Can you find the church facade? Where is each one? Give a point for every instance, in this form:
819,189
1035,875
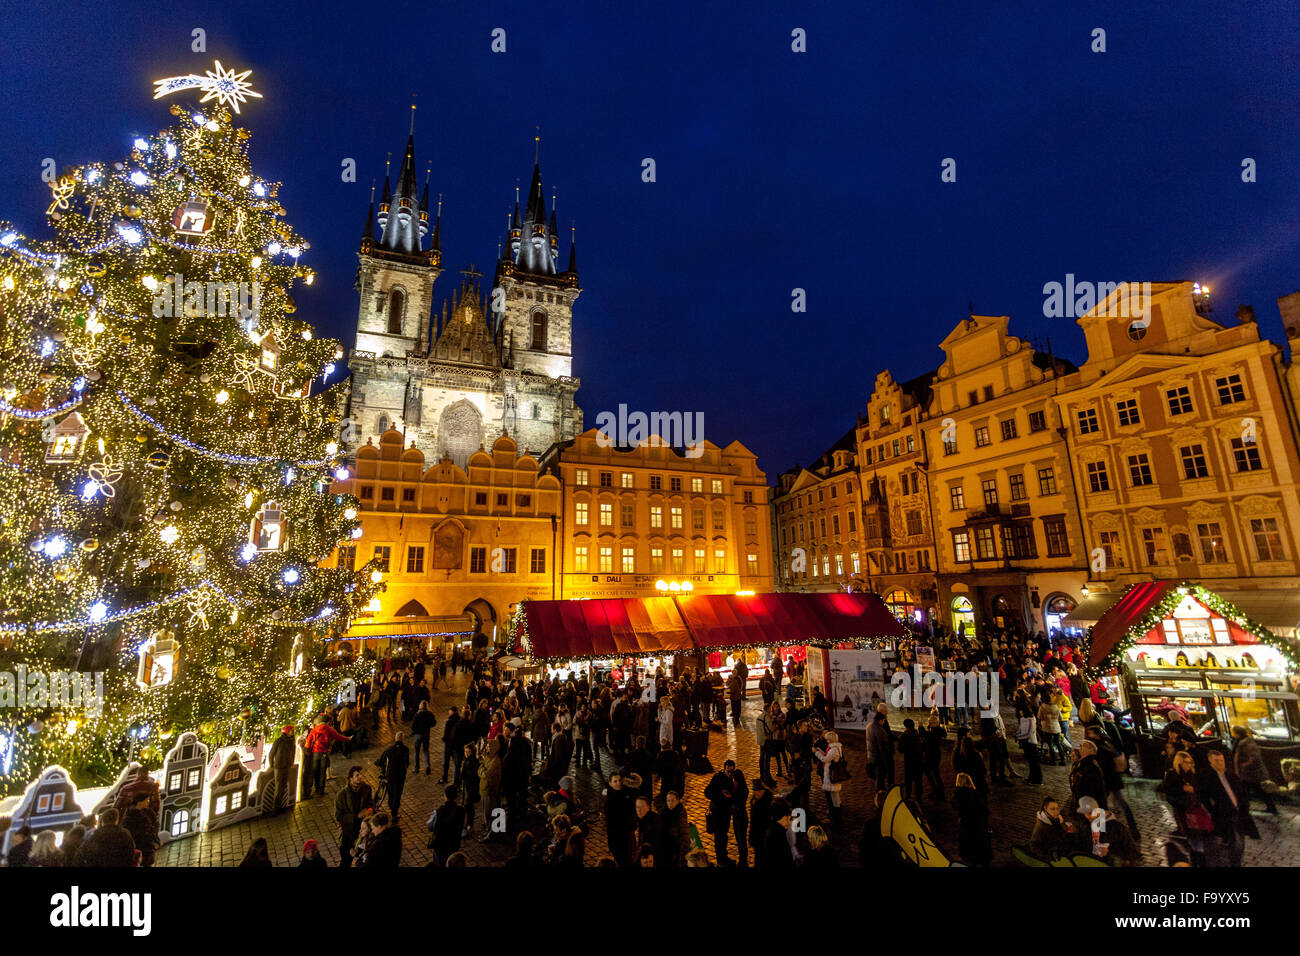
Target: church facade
490,361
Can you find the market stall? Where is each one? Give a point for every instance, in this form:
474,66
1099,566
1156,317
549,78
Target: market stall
1179,651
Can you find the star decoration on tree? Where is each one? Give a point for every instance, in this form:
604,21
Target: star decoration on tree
225,86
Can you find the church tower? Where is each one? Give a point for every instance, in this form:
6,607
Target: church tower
535,313
394,284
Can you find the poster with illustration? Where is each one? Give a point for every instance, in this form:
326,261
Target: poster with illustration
858,684
925,658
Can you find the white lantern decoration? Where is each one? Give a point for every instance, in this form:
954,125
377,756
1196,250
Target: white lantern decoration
157,660
192,218
67,439
267,532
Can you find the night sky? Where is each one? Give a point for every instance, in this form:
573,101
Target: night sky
776,170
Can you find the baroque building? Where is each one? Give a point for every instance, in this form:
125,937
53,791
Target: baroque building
636,517
819,535
488,362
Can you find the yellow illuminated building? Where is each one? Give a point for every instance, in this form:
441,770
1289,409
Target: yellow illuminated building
819,535
635,517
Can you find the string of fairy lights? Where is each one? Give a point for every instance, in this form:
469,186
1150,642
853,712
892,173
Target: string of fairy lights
165,493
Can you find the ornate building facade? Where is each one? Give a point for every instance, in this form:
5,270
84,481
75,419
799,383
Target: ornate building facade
819,535
490,362
451,540
637,516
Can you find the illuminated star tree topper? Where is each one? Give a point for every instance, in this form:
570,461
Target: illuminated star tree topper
225,86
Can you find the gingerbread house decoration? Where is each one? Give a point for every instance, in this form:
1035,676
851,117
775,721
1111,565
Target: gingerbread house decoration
229,789
68,439
183,786
48,803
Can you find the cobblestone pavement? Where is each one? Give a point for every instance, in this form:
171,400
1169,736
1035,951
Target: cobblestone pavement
1011,814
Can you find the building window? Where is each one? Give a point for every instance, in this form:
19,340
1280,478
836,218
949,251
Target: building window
382,554
699,560
985,549
503,501
1111,547
1088,421
675,483
751,564
1230,389
973,397
629,560
1128,412
1179,399
606,560
1037,421
656,482
477,560
606,515
981,436
508,565
524,501
856,562
675,519
1058,545
415,559
408,495
1022,541
348,557
748,496
895,444
367,493
480,499
537,561
1018,488
719,561
679,560
853,524
1008,429
1139,470
580,512
751,525
1047,481
539,331
656,560
989,489
950,446
697,485
717,486
988,393
396,309
385,494
911,443
1246,455
826,565
580,558
839,565
1194,466
627,479
961,545
720,521
1213,549
1268,541
697,519
607,479
958,498
913,518
1155,546
1098,477
627,515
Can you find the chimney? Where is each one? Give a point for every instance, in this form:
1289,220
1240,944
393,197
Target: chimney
1289,306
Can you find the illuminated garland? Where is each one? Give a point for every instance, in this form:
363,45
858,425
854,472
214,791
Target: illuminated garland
40,413
208,452
1166,607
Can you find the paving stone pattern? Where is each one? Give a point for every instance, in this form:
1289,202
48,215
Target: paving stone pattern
1011,809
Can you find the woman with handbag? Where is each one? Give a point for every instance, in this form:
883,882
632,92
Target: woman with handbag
834,773
1181,789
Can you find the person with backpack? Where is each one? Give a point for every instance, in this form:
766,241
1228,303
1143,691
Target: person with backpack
446,828
834,773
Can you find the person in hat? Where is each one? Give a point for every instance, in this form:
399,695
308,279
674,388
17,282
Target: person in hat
311,858
280,764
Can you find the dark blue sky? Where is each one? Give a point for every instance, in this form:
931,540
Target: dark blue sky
776,170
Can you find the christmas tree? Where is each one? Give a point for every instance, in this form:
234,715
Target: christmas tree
168,436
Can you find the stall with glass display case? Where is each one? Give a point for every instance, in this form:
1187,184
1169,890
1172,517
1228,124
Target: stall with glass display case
1178,651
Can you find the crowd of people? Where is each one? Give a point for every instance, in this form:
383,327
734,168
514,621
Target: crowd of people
508,754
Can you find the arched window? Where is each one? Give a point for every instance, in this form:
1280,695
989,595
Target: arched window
539,331
396,308
180,823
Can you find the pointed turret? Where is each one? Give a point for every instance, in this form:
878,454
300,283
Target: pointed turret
368,230
405,228
531,241
573,257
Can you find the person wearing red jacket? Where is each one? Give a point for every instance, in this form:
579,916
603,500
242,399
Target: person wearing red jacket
316,748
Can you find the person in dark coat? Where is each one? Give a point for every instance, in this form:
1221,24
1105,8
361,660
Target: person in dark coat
516,768
450,754
777,852
461,734
1087,779
1228,801
820,855
620,817
385,849
1050,839
639,762
108,844
258,855
933,752
674,832
912,747
354,803
142,823
421,731
394,763
722,799
447,824
972,823
311,858
649,831
760,816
